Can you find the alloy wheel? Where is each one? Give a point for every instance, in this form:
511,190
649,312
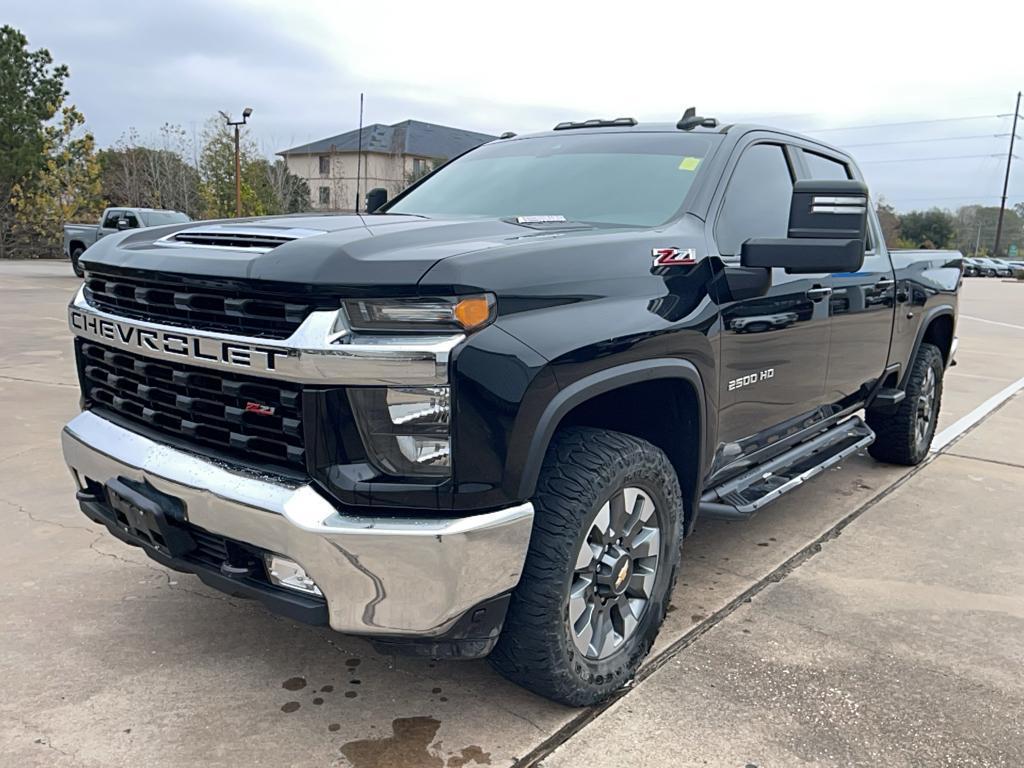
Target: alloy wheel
925,408
615,572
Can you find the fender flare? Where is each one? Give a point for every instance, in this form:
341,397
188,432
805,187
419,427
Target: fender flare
933,314
597,384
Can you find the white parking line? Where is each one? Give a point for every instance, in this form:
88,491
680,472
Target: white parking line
961,425
992,322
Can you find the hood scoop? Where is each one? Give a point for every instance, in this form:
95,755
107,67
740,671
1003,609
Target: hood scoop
236,237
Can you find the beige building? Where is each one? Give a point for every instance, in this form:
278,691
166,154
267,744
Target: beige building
392,156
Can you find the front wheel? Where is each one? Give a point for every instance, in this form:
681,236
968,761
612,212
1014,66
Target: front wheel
76,254
600,568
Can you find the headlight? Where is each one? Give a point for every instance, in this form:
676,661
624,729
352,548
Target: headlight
406,429
460,313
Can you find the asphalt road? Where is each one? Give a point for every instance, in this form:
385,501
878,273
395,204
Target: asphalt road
111,660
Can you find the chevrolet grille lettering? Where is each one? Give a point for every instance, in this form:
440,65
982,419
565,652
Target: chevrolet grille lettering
172,343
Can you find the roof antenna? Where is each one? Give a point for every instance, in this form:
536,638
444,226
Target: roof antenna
691,120
359,156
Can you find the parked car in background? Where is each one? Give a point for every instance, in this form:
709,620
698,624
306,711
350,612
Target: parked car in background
989,267
78,237
972,267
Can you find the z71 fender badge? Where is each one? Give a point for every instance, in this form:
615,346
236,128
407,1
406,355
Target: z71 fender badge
674,257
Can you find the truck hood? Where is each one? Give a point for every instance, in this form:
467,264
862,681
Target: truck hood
319,250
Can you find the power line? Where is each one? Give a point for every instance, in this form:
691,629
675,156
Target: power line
924,141
909,122
923,160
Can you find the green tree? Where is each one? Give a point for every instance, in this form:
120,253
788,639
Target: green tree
890,222
66,188
278,189
217,171
31,93
928,229
162,176
976,229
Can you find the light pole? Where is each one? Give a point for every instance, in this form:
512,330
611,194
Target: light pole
238,161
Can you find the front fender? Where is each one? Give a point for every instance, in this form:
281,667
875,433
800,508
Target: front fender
532,444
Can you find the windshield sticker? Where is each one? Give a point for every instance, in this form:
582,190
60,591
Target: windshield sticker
689,164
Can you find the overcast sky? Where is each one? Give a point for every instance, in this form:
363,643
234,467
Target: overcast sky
524,66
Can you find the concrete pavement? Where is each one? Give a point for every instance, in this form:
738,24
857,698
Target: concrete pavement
901,643
110,660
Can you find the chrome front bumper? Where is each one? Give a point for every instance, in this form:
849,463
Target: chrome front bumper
380,576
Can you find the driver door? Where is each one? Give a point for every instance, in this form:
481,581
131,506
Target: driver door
774,348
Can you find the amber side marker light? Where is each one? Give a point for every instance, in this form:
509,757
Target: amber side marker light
474,311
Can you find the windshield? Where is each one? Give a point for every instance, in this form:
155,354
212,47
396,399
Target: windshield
637,179
156,218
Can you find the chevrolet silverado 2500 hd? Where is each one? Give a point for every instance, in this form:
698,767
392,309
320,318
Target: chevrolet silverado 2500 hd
483,418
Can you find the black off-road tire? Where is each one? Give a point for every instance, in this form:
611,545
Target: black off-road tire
896,436
76,254
583,468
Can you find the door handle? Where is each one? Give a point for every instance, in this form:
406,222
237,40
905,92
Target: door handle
818,293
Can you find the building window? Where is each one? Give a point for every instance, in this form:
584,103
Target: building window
419,165
325,195
325,165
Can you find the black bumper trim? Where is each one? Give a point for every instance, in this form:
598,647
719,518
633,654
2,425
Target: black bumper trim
308,610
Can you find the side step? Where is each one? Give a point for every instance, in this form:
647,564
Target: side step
739,498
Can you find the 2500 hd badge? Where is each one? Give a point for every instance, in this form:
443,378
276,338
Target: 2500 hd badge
175,344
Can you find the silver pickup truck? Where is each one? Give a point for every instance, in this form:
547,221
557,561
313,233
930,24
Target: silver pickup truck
78,237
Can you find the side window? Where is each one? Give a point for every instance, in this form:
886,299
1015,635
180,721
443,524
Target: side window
756,200
325,165
325,195
133,221
822,167
110,222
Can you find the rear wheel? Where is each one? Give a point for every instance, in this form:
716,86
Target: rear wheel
600,567
76,254
904,437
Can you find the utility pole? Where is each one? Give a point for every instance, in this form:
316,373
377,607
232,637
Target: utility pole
238,158
1006,179
977,242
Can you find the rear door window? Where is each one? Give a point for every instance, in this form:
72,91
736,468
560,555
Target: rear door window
821,167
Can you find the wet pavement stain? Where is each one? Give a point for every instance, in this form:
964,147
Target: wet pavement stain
290,706
435,690
318,701
350,694
334,727
408,746
472,754
327,689
353,663
294,684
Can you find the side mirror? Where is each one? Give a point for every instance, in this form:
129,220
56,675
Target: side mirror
122,224
375,198
827,227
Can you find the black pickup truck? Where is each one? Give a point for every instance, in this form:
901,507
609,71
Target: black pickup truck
482,418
